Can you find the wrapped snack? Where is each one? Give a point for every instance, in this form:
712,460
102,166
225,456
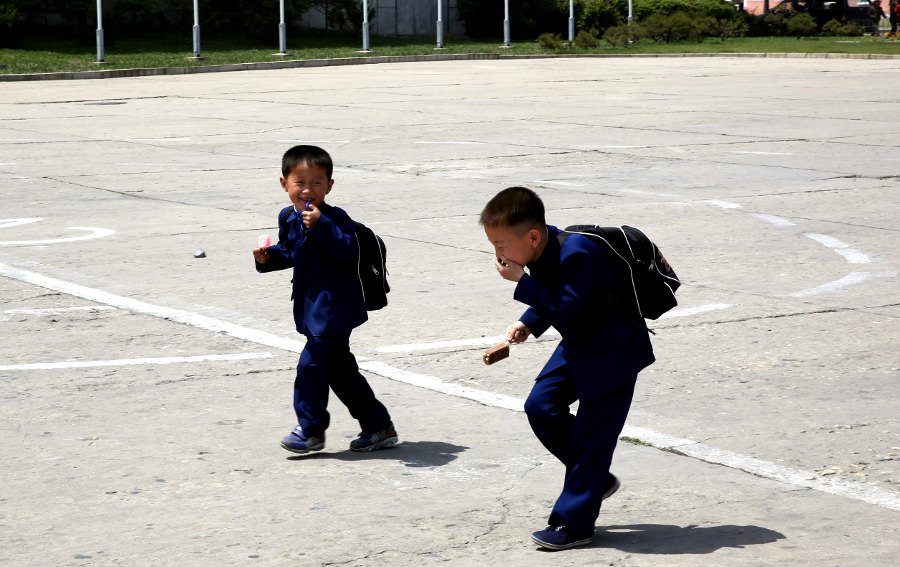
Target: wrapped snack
496,353
265,241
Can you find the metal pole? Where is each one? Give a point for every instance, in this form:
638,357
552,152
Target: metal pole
101,50
196,30
440,26
629,22
282,34
571,20
506,23
365,27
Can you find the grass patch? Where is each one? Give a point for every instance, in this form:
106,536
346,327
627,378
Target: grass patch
635,441
61,55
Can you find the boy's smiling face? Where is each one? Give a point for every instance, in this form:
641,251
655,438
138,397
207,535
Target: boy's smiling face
521,247
307,183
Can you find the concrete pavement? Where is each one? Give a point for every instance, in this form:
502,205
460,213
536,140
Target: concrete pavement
144,390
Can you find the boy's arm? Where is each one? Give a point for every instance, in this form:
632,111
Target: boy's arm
279,257
580,274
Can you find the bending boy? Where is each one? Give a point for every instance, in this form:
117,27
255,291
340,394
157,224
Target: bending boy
567,286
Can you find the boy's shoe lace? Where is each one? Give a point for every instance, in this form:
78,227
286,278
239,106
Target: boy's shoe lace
299,442
378,440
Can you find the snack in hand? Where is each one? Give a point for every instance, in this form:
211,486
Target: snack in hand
265,241
496,353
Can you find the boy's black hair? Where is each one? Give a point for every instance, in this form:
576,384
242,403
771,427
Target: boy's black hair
311,155
518,208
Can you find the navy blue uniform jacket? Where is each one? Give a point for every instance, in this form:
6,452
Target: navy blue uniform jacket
568,287
326,291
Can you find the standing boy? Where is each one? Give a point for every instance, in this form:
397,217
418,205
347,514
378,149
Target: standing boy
567,286
319,242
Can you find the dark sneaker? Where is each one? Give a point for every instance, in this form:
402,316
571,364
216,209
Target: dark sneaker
379,440
612,485
560,537
298,442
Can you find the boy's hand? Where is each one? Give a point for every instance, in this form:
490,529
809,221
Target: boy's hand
310,216
517,333
261,255
508,269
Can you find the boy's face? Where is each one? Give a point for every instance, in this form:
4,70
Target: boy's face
521,247
307,184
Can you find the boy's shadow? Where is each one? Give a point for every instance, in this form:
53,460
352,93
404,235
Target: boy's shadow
412,453
667,539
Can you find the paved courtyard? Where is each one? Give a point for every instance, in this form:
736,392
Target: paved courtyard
143,390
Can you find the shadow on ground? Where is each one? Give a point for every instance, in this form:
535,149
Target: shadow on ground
412,453
665,539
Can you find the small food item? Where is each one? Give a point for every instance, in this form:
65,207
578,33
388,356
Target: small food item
496,353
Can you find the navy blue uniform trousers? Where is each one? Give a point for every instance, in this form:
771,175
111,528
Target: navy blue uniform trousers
325,362
583,442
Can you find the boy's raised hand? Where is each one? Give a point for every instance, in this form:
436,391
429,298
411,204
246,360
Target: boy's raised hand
508,269
310,216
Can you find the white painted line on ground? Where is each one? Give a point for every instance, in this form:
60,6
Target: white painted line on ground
92,233
136,361
851,255
8,223
438,385
688,311
723,204
851,279
870,494
177,315
772,219
439,345
825,240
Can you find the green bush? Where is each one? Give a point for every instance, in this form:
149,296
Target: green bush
617,35
586,40
836,29
704,27
802,25
599,14
736,26
550,41
643,9
668,28
715,9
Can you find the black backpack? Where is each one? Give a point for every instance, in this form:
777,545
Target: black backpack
652,278
371,268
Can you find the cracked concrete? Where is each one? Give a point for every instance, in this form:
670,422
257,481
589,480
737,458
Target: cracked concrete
726,162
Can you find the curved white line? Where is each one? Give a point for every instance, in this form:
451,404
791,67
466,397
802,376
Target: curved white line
853,278
8,223
92,233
